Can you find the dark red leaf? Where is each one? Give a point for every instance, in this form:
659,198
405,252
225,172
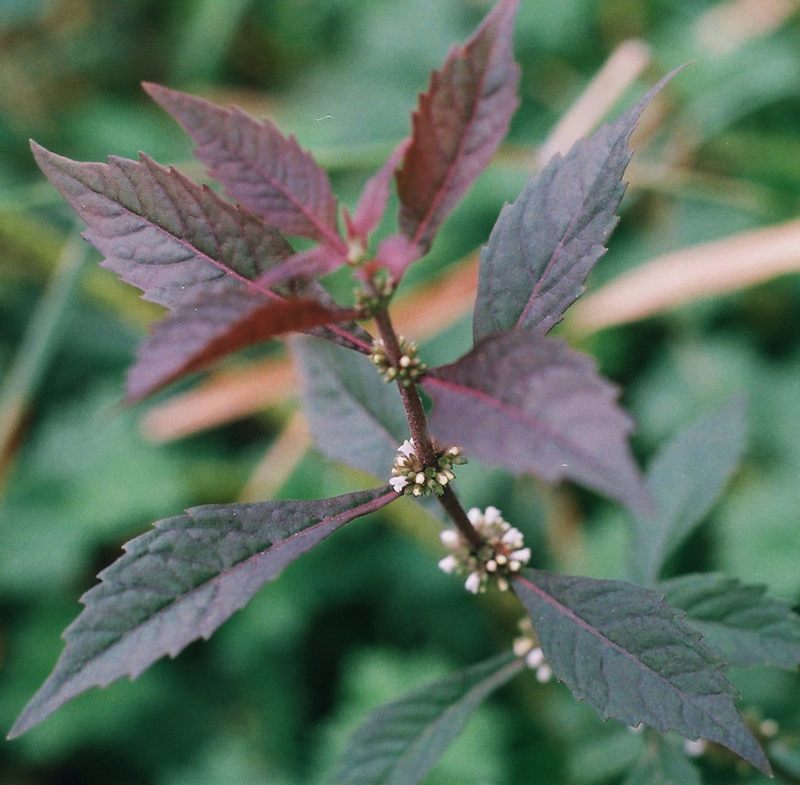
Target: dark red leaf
206,330
260,168
459,124
530,404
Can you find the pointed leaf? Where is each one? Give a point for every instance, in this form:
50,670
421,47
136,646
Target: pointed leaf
171,238
628,655
544,245
355,417
401,741
181,581
372,203
261,169
685,479
530,404
459,124
738,621
664,764
197,334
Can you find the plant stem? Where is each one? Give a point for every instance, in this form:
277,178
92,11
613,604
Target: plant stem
418,424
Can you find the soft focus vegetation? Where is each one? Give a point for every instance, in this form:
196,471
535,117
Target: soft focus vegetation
273,695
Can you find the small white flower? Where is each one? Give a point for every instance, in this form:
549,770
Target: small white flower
448,564
535,657
522,555
492,515
473,582
474,515
769,728
450,538
544,673
523,646
407,448
513,538
420,478
694,749
398,483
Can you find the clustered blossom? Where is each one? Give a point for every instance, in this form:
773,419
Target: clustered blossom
501,555
410,476
527,646
408,369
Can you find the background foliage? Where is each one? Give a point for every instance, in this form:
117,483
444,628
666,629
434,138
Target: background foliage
276,691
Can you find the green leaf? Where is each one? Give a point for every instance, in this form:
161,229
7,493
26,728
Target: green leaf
355,417
685,479
743,625
628,655
181,581
400,742
663,764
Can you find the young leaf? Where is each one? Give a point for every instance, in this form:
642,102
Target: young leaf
400,742
664,764
544,245
171,238
628,655
740,622
685,479
181,581
199,333
542,408
459,123
355,417
264,171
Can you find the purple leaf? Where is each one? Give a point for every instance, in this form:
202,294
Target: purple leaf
372,203
208,329
318,260
544,245
530,404
171,238
263,170
459,123
181,581
627,653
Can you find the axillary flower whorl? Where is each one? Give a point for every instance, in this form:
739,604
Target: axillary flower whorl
408,369
410,476
501,555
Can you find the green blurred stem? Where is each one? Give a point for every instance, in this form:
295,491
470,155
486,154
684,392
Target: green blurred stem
39,342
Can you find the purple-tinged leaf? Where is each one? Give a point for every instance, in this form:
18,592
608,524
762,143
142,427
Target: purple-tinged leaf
180,582
627,653
355,417
528,403
372,203
401,741
201,332
685,479
261,169
544,245
458,125
173,239
318,260
738,621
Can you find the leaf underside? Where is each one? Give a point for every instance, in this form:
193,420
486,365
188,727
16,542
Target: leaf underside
354,416
627,653
459,123
542,408
182,580
740,622
260,168
544,245
401,741
685,479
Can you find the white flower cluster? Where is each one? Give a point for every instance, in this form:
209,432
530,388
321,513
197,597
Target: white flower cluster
501,555
527,646
410,476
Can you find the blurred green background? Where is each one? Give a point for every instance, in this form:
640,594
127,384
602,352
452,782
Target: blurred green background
367,615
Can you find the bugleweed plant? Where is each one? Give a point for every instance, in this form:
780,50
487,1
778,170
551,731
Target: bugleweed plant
520,399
